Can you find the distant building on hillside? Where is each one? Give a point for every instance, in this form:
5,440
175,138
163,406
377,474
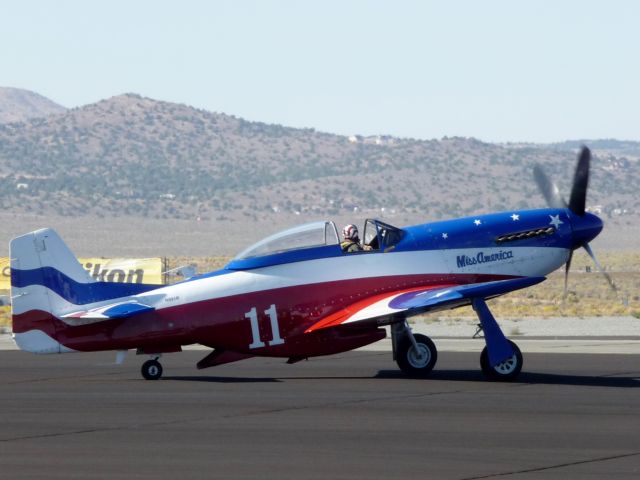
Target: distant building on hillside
372,140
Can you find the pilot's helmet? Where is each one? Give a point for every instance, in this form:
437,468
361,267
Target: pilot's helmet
350,232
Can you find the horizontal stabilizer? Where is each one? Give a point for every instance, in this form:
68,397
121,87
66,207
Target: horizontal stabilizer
415,301
109,312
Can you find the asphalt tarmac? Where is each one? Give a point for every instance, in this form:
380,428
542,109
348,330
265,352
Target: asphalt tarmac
347,416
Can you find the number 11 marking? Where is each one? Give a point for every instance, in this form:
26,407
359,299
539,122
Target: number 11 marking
275,328
252,315
255,330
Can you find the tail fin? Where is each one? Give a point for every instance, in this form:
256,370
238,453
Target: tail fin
45,277
50,291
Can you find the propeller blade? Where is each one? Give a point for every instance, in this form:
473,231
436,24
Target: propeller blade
548,188
566,275
595,260
578,200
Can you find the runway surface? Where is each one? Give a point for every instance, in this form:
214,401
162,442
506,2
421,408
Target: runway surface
347,416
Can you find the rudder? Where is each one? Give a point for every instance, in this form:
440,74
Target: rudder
44,279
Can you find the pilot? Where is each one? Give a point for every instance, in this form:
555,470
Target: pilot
351,242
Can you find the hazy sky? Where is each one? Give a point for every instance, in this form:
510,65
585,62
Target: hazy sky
496,70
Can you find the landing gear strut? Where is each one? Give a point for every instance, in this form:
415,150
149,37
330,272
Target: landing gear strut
151,369
501,359
416,355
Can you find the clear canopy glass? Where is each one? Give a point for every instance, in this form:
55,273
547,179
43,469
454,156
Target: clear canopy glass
315,234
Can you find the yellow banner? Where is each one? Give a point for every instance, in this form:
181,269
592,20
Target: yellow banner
5,273
122,270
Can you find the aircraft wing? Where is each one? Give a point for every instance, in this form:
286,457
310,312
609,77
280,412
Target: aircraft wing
108,312
405,303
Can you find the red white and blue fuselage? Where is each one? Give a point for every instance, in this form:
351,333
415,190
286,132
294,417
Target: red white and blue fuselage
296,301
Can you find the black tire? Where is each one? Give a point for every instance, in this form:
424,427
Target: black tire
151,370
506,371
417,364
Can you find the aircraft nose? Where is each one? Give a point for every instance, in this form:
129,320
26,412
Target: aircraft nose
585,228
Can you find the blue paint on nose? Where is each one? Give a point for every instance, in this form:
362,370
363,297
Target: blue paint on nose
585,228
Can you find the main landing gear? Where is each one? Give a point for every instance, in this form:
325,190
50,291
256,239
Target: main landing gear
501,359
506,370
416,355
151,369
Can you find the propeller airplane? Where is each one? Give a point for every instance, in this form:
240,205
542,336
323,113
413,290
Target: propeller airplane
297,294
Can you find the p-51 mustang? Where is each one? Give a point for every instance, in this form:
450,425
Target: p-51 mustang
296,294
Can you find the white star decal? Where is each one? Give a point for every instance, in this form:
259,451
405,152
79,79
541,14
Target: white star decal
477,222
445,235
555,220
515,217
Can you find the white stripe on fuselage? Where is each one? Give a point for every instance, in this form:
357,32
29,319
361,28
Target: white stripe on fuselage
525,261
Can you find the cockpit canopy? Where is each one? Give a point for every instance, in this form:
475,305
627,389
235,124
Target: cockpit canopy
315,234
313,241
381,236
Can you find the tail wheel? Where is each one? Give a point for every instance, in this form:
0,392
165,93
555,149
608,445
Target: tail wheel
151,370
417,362
505,371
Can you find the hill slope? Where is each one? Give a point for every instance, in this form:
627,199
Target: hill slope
134,156
17,105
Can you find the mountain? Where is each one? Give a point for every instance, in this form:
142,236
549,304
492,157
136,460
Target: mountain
608,145
17,105
138,157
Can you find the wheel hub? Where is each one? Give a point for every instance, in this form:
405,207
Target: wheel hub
507,366
419,357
